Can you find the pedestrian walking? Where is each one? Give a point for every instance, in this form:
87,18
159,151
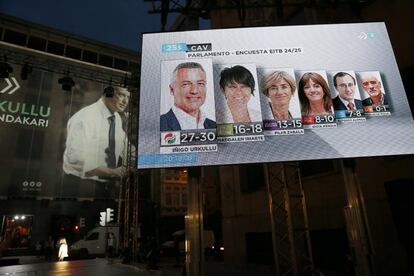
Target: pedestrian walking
111,245
48,248
63,250
38,249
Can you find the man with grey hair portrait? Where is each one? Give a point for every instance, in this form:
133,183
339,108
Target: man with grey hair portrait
188,88
371,83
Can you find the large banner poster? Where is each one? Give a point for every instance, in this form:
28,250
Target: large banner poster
58,143
271,94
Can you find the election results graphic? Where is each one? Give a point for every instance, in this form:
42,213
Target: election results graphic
270,94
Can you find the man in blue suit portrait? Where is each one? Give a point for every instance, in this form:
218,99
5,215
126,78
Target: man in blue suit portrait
345,85
188,88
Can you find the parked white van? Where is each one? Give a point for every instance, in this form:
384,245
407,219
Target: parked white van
94,243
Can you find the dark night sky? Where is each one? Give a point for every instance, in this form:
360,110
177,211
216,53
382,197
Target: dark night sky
118,22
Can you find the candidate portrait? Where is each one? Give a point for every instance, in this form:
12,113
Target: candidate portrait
314,94
373,87
187,88
239,102
279,87
348,95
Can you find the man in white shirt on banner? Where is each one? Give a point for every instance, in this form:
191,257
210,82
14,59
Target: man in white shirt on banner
188,87
95,142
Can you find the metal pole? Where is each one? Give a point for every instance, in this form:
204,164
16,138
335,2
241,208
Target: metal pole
357,222
289,220
106,233
272,220
295,270
120,202
135,209
194,225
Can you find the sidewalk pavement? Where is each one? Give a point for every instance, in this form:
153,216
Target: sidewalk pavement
166,267
102,266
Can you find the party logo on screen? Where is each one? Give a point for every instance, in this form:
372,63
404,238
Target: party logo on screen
170,138
308,120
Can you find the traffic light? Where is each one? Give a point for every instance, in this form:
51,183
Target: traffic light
109,214
81,222
102,221
106,216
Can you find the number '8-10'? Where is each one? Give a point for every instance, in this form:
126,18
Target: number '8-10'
326,118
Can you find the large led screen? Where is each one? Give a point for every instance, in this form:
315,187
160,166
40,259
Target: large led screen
271,94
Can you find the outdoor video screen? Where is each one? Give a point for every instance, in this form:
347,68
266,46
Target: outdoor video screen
271,94
56,142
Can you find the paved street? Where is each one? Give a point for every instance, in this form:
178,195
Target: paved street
92,267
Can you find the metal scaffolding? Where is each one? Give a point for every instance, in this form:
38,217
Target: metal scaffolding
202,8
62,65
284,10
290,229
128,205
357,224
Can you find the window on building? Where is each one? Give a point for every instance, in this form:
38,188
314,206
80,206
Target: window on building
106,60
73,52
175,199
121,64
168,199
37,43
252,178
14,37
184,198
90,56
55,48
